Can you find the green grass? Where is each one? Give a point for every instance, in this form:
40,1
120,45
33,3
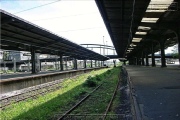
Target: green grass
97,102
45,107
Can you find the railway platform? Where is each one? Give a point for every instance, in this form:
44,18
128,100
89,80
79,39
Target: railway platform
157,91
14,82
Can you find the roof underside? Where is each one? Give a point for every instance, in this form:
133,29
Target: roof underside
117,16
133,24
18,34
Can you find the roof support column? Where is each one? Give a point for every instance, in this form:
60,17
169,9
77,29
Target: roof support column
163,60
95,63
91,64
75,63
178,36
137,60
66,63
134,61
147,60
85,64
61,62
56,62
142,58
14,65
152,55
131,61
40,65
114,61
124,62
33,60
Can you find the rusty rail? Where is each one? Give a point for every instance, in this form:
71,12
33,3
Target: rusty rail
112,98
75,106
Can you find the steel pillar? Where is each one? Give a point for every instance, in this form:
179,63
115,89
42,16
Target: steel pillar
56,63
163,60
91,64
85,64
33,60
14,66
147,60
137,61
142,58
131,61
61,62
75,63
95,63
40,66
178,36
124,62
152,55
114,61
28,65
66,64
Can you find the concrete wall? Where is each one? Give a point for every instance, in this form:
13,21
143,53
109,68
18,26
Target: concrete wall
18,83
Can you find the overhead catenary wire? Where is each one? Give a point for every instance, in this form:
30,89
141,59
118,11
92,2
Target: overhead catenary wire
58,17
37,7
81,29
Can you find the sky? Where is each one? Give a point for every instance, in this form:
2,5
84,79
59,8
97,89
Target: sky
76,20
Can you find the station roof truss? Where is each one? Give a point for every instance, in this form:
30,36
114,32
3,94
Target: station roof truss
134,24
19,34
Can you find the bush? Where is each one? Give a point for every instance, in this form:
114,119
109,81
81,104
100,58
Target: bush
90,82
109,71
98,78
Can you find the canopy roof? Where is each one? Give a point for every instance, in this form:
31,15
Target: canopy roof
19,34
134,24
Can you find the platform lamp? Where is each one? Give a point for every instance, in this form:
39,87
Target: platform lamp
103,47
107,47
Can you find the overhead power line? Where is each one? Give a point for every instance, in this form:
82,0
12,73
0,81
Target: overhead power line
36,7
81,29
64,16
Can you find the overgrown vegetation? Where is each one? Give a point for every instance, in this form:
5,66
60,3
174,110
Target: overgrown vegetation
54,103
98,101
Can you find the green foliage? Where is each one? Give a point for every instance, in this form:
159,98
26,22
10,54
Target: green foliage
98,101
46,106
90,82
109,71
98,78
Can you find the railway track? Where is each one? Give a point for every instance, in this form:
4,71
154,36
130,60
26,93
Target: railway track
67,114
31,92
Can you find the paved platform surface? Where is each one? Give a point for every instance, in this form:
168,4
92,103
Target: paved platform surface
27,74
157,90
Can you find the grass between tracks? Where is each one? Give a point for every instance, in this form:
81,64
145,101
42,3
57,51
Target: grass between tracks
57,102
99,100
